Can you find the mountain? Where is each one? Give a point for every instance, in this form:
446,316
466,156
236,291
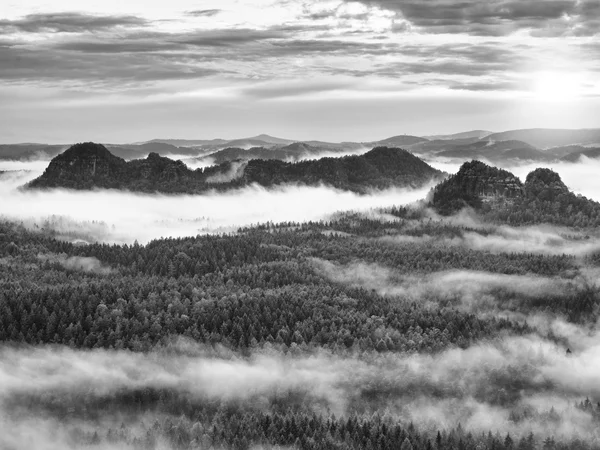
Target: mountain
24,152
187,142
547,138
475,184
495,151
498,195
583,151
475,134
262,140
271,139
89,166
133,151
380,168
400,141
291,152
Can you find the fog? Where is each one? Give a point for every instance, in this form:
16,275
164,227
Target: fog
77,263
538,239
123,217
236,170
478,387
474,291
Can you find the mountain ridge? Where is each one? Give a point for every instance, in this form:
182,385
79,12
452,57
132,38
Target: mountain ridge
88,165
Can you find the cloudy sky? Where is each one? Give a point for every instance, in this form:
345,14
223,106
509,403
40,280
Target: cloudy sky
125,71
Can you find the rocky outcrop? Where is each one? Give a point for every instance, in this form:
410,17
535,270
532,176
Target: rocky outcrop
474,185
500,196
85,164
544,184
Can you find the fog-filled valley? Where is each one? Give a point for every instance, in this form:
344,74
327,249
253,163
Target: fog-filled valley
302,316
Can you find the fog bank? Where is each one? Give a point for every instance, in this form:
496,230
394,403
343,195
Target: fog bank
123,217
484,387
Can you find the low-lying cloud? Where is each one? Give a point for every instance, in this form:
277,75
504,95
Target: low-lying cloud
478,387
123,217
77,263
483,293
538,239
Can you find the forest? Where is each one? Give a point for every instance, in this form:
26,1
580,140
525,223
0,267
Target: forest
246,339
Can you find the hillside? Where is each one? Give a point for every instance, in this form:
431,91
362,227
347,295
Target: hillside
495,151
402,140
291,152
500,196
576,155
90,166
24,152
475,134
547,138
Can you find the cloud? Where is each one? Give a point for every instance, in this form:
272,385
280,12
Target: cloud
121,63
235,171
113,216
497,17
70,22
228,37
474,291
204,12
291,88
77,263
478,387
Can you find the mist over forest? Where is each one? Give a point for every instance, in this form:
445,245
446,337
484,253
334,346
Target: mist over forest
301,315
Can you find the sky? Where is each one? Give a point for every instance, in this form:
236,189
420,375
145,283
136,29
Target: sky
119,71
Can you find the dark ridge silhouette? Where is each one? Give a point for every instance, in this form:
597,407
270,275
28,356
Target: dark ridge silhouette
89,166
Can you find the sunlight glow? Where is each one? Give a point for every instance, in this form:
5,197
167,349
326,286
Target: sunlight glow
557,86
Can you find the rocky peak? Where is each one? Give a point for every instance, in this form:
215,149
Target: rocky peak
477,178
474,185
544,184
84,161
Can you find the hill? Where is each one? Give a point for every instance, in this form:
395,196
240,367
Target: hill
89,166
576,155
475,134
24,152
500,196
402,140
495,151
291,152
547,138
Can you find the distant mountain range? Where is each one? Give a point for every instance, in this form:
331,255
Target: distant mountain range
509,147
475,134
90,166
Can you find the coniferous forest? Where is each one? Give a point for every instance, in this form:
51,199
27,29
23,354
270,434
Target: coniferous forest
427,326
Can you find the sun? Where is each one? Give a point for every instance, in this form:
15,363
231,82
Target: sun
556,86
